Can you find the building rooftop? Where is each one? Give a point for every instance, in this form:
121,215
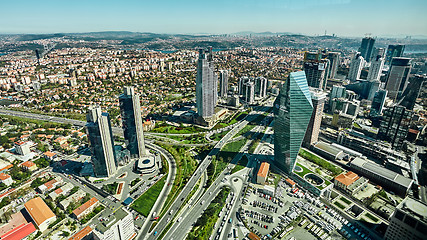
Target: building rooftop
4,176
38,210
108,221
347,178
415,208
49,154
82,233
20,232
263,169
383,172
85,206
28,164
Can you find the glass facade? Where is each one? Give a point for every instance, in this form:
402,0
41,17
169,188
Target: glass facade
101,142
292,111
130,110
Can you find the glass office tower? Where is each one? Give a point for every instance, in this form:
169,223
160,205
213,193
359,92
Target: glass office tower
292,112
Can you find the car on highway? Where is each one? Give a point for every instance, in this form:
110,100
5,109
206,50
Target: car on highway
155,233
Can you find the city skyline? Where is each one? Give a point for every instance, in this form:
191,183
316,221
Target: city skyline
340,17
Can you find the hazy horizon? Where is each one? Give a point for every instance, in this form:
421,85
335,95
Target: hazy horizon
345,18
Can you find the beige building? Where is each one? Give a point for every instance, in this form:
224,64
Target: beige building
40,213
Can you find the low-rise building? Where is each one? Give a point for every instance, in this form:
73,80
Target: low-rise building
52,184
22,148
22,232
6,179
84,234
350,182
85,208
64,190
29,165
263,173
73,198
40,213
50,155
381,175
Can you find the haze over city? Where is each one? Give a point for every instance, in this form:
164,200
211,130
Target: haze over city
213,120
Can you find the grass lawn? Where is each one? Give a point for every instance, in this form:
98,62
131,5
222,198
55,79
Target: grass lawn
373,218
205,224
245,130
146,201
219,136
345,200
339,205
304,170
240,164
321,162
164,128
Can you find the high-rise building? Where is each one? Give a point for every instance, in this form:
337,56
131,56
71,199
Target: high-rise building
292,111
376,68
223,83
397,79
118,226
101,142
395,125
367,48
410,95
261,87
318,98
378,103
374,86
206,85
249,92
394,51
315,68
130,110
334,58
337,92
409,221
356,66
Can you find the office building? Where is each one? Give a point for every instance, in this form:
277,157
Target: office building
394,51
356,66
373,87
337,92
409,221
117,226
292,111
376,68
382,176
223,83
378,52
318,98
367,48
394,125
101,142
261,87
130,110
397,79
378,103
334,59
206,85
410,95
249,92
315,68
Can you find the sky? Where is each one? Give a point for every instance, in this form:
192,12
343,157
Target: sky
350,18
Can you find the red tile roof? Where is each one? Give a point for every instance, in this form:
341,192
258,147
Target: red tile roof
263,169
347,178
19,232
82,233
4,176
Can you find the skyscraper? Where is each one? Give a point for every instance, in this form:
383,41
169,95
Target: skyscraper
366,48
376,68
397,79
249,92
318,98
378,103
315,68
223,83
394,51
206,85
130,110
395,125
337,92
410,95
292,111
356,66
334,58
101,142
261,87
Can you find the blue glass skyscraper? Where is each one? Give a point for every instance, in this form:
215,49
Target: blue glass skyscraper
292,112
